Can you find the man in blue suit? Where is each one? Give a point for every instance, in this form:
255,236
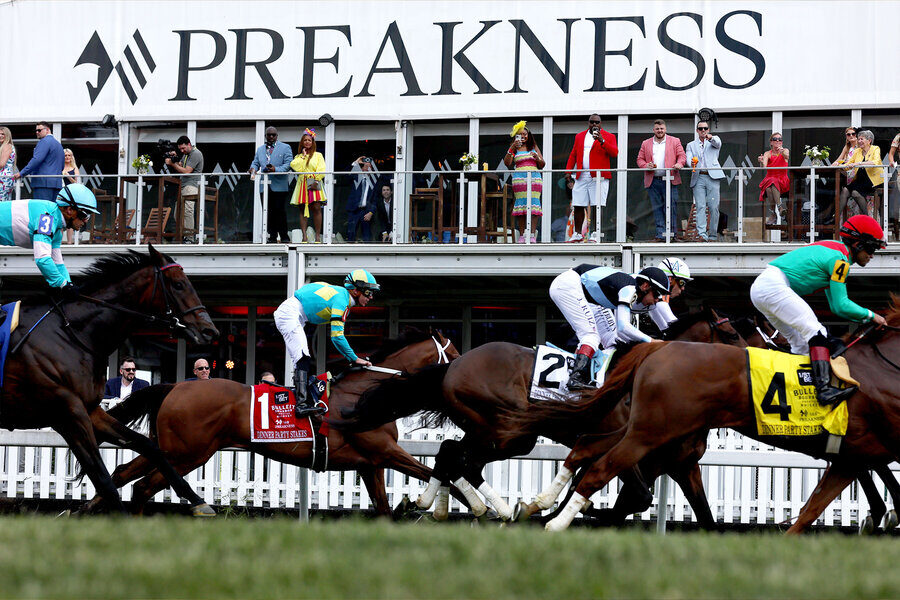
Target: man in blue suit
275,157
48,159
361,202
703,157
123,386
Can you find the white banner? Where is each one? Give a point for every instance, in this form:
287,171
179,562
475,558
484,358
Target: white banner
161,60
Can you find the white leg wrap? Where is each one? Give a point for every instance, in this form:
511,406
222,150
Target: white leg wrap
442,507
426,498
545,499
564,519
477,506
503,509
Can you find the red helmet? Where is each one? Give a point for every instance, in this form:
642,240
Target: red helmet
865,230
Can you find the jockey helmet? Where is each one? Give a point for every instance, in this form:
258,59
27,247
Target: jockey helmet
864,231
675,267
361,280
79,197
656,277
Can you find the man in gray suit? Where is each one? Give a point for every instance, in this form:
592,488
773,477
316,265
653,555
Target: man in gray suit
703,157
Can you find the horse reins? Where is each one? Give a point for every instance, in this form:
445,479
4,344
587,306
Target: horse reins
442,358
863,333
714,327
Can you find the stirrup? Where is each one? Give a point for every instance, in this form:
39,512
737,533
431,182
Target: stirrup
301,411
832,396
576,383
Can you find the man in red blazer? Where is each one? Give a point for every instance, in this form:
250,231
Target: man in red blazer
589,159
657,154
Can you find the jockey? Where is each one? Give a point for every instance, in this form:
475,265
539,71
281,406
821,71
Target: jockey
598,302
320,303
679,274
826,264
39,224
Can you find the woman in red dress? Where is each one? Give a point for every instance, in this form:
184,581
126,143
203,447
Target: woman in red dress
777,181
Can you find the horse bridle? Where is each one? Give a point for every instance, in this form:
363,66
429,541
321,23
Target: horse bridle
442,358
715,326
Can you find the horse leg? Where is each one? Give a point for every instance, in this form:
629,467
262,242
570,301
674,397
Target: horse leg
374,480
116,432
836,478
122,474
689,477
441,473
890,482
877,509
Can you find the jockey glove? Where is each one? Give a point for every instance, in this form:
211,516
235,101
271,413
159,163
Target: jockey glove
70,291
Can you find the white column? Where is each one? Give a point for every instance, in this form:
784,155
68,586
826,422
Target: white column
473,199
402,181
777,121
259,223
856,117
328,217
547,179
622,179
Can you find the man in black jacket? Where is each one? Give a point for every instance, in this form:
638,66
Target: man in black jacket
385,211
119,388
361,201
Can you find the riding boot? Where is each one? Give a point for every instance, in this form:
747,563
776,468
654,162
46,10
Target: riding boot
302,407
821,373
581,371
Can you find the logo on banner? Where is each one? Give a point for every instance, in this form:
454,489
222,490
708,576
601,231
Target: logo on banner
95,53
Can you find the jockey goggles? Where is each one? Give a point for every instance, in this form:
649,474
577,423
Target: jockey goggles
83,216
368,293
869,246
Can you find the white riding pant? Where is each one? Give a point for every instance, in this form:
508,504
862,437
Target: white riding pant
772,295
290,319
594,325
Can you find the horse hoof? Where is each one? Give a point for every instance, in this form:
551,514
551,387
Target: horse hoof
402,508
522,512
867,527
891,520
202,510
64,514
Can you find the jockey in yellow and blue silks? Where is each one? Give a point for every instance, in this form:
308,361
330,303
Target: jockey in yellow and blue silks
320,303
39,224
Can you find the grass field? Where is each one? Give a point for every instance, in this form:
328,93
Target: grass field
177,557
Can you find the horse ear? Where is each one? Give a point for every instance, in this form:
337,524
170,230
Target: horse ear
155,256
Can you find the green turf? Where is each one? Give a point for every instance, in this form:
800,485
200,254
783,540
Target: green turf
177,557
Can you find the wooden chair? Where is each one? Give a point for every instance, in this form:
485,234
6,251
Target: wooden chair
105,225
494,212
423,199
212,197
155,227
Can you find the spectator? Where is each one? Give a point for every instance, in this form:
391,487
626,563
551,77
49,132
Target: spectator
267,377
7,164
309,191
191,161
48,159
201,370
361,201
119,388
71,174
869,156
559,226
892,161
657,154
776,182
385,212
275,157
590,153
524,155
849,145
703,157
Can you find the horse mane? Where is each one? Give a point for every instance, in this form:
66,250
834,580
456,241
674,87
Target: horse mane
113,268
687,321
409,335
892,316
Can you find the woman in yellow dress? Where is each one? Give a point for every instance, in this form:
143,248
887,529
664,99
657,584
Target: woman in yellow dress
309,190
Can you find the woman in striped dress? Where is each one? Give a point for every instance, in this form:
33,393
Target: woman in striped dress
525,156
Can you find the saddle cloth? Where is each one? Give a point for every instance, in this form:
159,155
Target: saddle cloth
552,367
784,398
272,415
10,320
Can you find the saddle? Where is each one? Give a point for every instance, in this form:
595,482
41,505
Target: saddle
9,321
552,368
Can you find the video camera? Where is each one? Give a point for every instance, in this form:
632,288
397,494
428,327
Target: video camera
167,149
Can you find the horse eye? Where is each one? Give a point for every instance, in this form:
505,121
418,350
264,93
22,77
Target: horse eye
178,285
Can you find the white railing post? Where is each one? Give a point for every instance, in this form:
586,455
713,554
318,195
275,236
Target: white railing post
662,504
139,208
740,227
812,205
462,209
265,207
884,203
527,232
668,180
201,212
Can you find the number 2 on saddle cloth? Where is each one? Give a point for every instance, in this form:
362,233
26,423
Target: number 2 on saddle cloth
552,367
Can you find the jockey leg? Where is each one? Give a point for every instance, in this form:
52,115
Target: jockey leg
567,293
289,319
820,357
581,371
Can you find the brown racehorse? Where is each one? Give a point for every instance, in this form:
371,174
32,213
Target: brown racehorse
664,412
480,390
195,419
55,378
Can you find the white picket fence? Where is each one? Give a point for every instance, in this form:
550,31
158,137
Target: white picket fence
747,482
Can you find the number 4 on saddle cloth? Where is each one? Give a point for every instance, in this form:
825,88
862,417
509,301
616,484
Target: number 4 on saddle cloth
552,367
9,320
272,413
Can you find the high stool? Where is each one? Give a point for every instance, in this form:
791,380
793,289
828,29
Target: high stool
423,201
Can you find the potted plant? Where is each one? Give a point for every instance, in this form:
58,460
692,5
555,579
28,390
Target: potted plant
817,156
142,164
469,161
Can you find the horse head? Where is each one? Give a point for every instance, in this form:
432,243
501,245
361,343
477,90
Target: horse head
173,295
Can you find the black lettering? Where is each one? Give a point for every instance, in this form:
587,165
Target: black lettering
560,76
184,59
241,63
777,389
405,67
310,60
739,48
680,50
600,54
462,60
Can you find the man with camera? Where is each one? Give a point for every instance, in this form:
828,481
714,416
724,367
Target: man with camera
275,157
361,201
591,152
191,161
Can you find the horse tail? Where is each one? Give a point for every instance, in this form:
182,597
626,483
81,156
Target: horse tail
546,418
144,402
393,399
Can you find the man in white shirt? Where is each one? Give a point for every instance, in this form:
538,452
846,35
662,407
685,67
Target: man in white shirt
657,154
590,158
119,388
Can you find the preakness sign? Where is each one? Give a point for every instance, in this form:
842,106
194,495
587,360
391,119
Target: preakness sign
386,59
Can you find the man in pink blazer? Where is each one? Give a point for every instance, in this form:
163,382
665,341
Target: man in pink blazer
657,154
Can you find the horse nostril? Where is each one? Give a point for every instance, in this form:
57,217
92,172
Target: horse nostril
210,334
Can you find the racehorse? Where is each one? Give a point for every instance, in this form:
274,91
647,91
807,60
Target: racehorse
663,413
194,419
482,389
55,373
759,333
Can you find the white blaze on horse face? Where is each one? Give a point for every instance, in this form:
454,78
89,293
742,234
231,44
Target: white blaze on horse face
426,498
442,507
564,519
476,505
503,509
545,499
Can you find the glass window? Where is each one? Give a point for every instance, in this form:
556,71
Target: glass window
437,146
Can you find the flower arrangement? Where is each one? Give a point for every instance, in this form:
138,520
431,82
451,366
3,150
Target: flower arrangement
142,163
467,160
814,153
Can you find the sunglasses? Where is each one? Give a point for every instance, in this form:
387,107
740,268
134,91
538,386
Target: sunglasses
368,293
593,122
129,370
850,134
703,129
776,139
201,369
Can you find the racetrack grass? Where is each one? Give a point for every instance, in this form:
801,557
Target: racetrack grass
176,557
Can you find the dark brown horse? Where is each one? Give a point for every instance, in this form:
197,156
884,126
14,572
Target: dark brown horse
55,378
483,388
664,412
194,419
